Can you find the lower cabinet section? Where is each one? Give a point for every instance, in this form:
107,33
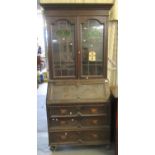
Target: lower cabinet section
79,124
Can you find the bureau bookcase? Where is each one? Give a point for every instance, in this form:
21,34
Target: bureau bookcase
78,107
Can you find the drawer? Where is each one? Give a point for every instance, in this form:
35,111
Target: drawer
96,136
68,122
63,137
76,110
93,110
61,111
79,137
78,122
94,121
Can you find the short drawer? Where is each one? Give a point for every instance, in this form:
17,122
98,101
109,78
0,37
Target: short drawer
61,111
63,137
96,136
94,121
68,122
94,110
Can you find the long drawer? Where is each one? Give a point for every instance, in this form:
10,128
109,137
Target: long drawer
78,122
79,137
77,110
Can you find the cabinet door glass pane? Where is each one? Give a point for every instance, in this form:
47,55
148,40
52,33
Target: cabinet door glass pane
63,48
92,48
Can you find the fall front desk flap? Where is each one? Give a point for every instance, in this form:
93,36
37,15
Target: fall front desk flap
63,91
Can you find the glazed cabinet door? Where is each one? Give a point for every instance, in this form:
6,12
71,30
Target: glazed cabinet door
62,47
77,47
92,46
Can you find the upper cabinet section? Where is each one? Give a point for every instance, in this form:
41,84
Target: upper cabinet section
77,42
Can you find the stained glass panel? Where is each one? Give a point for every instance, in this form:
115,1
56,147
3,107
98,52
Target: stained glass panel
92,48
63,48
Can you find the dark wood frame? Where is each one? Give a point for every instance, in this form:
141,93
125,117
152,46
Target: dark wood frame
69,11
73,6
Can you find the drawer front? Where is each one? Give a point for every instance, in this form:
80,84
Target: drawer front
77,122
96,136
93,110
68,122
79,137
62,111
76,109
63,137
94,121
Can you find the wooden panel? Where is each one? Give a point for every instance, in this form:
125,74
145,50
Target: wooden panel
77,1
79,12
78,92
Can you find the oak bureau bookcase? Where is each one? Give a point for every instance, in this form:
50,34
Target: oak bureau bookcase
78,107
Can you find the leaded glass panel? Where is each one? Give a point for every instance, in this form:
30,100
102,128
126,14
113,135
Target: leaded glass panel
63,48
92,48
